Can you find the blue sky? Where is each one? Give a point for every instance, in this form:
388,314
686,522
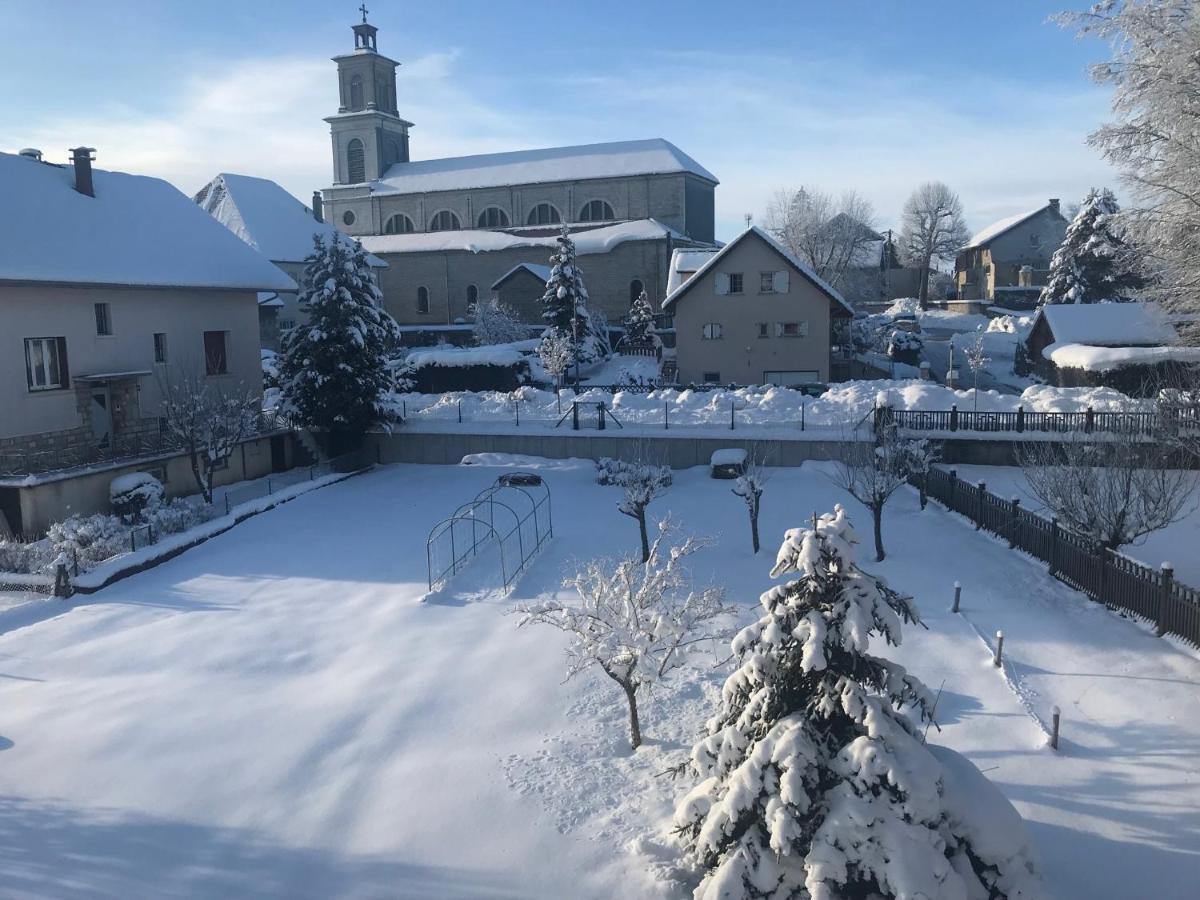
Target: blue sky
874,96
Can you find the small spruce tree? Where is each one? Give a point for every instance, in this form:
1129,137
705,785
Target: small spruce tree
565,304
333,374
639,322
1094,262
813,784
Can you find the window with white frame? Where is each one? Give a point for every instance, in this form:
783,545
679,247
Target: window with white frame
766,282
399,223
764,329
736,281
544,214
103,319
597,211
711,331
444,220
46,363
791,329
493,217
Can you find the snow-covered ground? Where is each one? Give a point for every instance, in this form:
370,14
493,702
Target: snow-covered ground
275,713
1176,544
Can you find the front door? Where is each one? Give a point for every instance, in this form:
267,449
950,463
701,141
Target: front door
101,417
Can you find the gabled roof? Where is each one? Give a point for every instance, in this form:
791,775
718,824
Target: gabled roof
770,241
1108,324
613,160
541,273
996,229
135,231
267,217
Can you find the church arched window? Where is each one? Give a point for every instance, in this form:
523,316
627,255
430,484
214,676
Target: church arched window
597,211
472,295
356,93
422,299
635,290
399,224
356,162
493,217
444,220
544,214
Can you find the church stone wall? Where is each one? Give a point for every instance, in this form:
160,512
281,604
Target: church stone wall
447,275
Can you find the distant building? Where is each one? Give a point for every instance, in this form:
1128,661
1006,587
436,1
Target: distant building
278,226
109,283
450,228
1008,262
754,314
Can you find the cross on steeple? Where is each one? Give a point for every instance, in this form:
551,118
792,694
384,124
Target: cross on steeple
363,9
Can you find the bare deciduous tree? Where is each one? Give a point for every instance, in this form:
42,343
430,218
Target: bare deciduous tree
1114,490
634,619
557,353
829,234
872,472
492,322
932,228
207,421
977,360
749,486
642,483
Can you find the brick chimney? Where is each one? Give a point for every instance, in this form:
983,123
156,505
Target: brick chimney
1054,204
82,158
318,213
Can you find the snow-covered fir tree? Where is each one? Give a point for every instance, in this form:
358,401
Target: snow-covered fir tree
813,784
639,322
333,373
565,304
1094,262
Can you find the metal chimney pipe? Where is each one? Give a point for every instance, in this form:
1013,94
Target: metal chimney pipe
82,159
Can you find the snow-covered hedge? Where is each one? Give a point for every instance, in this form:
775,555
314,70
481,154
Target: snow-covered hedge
498,367
132,493
618,471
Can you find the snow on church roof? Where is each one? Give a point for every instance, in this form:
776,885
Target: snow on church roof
592,240
136,230
613,160
996,229
266,217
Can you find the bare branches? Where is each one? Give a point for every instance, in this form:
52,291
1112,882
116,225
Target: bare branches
749,486
932,228
634,620
829,234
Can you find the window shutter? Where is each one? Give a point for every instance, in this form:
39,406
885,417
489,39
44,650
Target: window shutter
781,282
722,283
64,372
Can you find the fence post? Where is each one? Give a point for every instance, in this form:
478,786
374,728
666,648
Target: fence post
517,411
1101,588
62,584
1015,522
227,503
979,506
732,406
574,415
998,656
1055,720
600,416
1054,546
666,417
459,412
803,406
1089,420
957,596
954,417
1164,598
269,491
953,488
1020,418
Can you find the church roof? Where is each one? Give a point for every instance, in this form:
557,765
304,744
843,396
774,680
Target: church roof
613,160
541,273
591,240
136,231
267,217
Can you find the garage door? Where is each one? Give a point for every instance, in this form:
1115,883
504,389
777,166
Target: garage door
791,377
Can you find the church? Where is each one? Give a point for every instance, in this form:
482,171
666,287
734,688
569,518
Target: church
453,231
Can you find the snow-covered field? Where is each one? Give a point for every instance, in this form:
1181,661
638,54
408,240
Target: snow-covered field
275,713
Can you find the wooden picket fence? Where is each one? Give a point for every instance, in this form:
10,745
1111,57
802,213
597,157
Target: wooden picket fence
1104,575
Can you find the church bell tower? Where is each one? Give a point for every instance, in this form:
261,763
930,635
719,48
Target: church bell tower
368,134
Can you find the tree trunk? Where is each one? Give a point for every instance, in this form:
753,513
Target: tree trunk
923,284
877,515
754,527
641,518
635,727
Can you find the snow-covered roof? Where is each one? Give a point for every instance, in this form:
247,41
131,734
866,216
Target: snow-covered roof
497,355
269,298
1108,324
791,258
267,217
996,229
685,262
592,240
136,231
1104,359
541,273
613,160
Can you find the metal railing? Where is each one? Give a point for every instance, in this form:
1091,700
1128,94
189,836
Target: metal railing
1148,423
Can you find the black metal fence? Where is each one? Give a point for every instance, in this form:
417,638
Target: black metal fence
1162,419
1104,575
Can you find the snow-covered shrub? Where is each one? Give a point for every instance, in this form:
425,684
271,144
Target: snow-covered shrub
492,322
556,353
617,471
130,494
904,346
634,619
811,781
270,369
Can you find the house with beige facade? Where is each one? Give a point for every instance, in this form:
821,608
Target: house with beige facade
282,229
450,228
111,283
1008,262
752,313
